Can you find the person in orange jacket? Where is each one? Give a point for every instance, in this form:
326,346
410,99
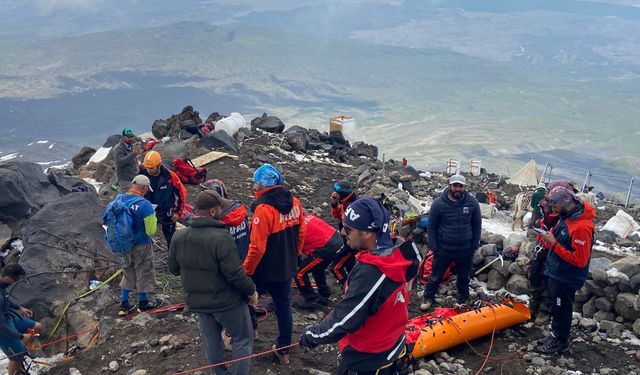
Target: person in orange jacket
168,193
277,235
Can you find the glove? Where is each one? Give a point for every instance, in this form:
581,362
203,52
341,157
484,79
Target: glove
306,340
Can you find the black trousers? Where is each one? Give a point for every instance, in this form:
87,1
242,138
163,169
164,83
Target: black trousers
344,261
168,229
561,297
316,264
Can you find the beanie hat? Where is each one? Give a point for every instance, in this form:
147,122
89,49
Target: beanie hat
369,215
217,185
561,196
206,200
268,175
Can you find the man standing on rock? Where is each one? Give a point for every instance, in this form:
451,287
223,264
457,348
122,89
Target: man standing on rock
277,236
455,224
168,193
17,330
125,155
205,256
570,242
369,322
139,273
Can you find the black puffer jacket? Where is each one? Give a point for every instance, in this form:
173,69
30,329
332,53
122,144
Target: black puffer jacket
454,226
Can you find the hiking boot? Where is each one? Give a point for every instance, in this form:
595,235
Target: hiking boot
126,309
305,304
283,358
553,346
544,341
426,304
149,305
324,301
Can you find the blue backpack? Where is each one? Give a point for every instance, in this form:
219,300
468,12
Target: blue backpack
119,221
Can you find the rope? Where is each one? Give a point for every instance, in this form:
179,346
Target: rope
67,338
235,360
66,307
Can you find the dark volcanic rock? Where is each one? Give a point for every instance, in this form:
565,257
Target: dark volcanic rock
82,157
220,140
24,189
271,124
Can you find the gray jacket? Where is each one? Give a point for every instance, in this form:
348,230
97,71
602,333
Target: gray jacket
127,166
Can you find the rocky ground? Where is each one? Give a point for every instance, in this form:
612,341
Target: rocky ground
168,342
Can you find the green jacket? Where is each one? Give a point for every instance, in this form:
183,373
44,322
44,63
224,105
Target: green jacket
536,198
205,256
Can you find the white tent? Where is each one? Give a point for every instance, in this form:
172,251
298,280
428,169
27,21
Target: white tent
529,175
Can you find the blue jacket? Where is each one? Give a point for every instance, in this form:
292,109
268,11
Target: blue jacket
144,218
454,227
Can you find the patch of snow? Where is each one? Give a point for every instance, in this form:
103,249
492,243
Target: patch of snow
96,185
9,156
30,144
500,224
17,245
614,249
51,146
614,273
52,162
42,142
100,155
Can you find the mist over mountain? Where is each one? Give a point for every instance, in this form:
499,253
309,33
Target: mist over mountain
502,81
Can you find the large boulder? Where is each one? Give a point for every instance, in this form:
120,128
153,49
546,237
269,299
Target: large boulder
624,306
495,280
82,157
220,140
598,270
518,284
271,124
64,249
66,183
297,138
629,266
24,189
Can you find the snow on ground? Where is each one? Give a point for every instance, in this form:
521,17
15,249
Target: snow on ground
500,224
36,368
100,155
97,185
614,249
9,156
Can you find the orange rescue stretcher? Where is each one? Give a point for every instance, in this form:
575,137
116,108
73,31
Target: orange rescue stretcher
438,333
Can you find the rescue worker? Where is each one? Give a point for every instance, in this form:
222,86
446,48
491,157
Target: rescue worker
342,196
277,236
570,242
321,246
369,322
168,193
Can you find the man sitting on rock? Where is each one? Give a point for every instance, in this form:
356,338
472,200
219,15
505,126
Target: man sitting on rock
125,155
321,246
17,330
369,322
216,287
570,242
139,272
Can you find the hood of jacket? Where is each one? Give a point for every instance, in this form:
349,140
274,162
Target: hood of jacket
393,264
275,196
234,215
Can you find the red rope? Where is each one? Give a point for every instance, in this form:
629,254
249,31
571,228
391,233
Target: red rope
235,360
53,342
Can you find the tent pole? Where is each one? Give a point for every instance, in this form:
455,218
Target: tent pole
626,202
